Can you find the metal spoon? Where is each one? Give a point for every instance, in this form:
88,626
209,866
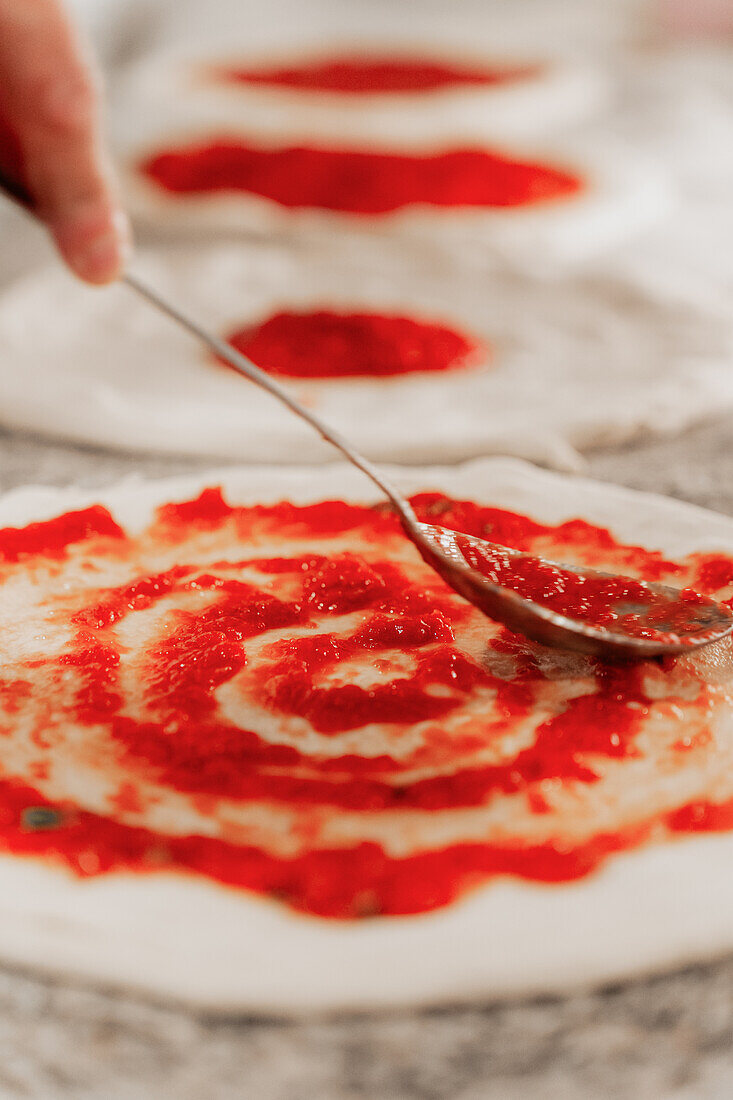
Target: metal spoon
445,550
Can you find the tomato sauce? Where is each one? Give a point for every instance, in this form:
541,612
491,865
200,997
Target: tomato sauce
356,182
377,76
327,344
354,640
612,603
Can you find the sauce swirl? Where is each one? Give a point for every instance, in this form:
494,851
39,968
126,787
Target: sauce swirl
285,699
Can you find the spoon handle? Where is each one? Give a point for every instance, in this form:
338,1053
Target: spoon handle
246,367
20,195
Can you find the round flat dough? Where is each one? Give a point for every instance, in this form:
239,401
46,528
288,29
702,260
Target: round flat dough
620,195
607,856
559,366
173,101
545,94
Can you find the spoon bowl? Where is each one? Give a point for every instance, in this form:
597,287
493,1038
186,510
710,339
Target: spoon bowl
638,619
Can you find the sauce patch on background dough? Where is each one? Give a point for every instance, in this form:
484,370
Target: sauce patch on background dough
357,182
327,344
376,75
286,699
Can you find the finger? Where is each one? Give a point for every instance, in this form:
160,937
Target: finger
50,97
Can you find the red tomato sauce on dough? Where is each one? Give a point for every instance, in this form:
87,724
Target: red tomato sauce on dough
613,603
362,183
326,344
333,609
377,75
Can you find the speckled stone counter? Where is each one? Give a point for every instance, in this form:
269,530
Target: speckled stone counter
668,1038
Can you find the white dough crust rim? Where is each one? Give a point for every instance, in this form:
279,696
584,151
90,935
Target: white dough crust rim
567,368
226,951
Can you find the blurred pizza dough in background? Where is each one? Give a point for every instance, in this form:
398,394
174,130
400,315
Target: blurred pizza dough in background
562,27
615,324
594,196
374,89
410,364
124,32
445,127
681,98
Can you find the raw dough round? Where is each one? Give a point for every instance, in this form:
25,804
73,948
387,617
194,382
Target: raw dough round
666,900
569,364
550,93
172,100
621,194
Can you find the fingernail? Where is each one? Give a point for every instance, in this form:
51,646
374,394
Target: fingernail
103,258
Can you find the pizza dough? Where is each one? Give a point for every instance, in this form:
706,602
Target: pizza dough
617,194
178,101
412,96
633,845
558,366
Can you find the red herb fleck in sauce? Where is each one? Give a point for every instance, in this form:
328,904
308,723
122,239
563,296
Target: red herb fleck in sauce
326,722
325,344
377,75
353,182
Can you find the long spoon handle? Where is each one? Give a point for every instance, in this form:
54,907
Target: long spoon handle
22,197
250,370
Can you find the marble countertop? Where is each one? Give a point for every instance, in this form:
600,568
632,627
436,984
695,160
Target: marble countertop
668,1038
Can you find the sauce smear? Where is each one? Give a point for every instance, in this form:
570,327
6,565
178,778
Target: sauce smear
322,719
358,182
377,75
326,344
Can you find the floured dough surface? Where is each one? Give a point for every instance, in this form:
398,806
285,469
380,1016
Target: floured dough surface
553,367
259,757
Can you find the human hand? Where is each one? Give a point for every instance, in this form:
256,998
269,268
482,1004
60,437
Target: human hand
50,136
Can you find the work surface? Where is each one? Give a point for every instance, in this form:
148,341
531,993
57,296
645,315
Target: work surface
669,1038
